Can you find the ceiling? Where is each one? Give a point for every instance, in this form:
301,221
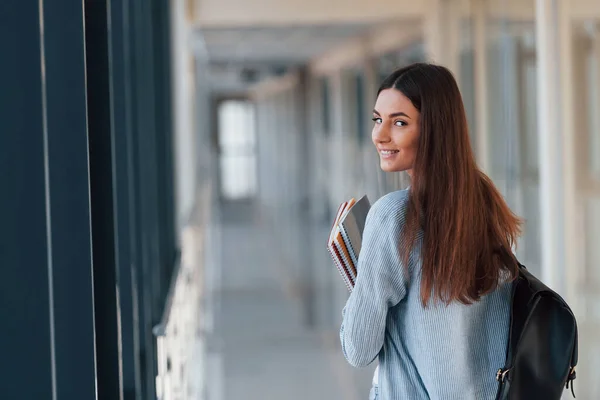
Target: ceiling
292,44
265,51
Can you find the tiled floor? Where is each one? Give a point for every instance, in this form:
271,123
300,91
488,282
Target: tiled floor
261,346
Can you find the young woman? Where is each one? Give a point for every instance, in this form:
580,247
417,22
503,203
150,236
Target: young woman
432,296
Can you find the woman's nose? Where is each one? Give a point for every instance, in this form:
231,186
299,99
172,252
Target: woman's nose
380,134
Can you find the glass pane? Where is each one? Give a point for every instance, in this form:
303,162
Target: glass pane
238,176
592,275
512,120
325,104
360,111
467,90
237,141
236,125
529,101
593,78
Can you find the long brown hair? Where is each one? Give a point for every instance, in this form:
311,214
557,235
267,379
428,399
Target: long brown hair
469,230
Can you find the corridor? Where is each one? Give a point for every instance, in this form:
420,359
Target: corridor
262,346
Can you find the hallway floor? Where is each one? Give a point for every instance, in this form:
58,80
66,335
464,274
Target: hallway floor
261,346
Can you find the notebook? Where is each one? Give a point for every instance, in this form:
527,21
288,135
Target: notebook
345,238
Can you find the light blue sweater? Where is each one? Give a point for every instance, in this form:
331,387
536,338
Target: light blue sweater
439,352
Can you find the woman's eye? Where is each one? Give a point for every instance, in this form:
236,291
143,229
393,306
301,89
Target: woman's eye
400,123
377,120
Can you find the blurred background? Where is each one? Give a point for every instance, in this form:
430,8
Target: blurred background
169,171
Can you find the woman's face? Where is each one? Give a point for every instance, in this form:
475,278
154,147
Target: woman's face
396,131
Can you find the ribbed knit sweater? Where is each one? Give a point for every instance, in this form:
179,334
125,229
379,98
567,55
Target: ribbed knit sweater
436,352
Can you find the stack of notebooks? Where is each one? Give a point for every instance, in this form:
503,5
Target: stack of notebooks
345,238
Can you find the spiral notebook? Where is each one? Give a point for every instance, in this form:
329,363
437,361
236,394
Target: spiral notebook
345,238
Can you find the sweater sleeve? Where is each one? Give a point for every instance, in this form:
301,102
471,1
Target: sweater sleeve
380,285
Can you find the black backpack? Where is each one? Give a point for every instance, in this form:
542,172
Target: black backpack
542,346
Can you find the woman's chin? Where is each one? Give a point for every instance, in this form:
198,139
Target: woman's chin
387,167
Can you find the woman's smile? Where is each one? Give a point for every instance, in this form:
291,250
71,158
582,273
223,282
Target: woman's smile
388,154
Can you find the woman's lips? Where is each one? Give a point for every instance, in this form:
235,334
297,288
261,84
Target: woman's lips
388,153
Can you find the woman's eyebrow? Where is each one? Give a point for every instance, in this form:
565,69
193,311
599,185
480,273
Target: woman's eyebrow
393,115
398,114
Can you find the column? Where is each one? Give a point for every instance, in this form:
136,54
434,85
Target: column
556,147
126,235
481,85
47,296
442,33
104,217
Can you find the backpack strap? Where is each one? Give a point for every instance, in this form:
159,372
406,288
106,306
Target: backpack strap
502,372
572,374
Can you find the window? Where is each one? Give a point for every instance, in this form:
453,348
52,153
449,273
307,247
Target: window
237,150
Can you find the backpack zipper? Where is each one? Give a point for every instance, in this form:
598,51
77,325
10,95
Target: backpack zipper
571,379
501,374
